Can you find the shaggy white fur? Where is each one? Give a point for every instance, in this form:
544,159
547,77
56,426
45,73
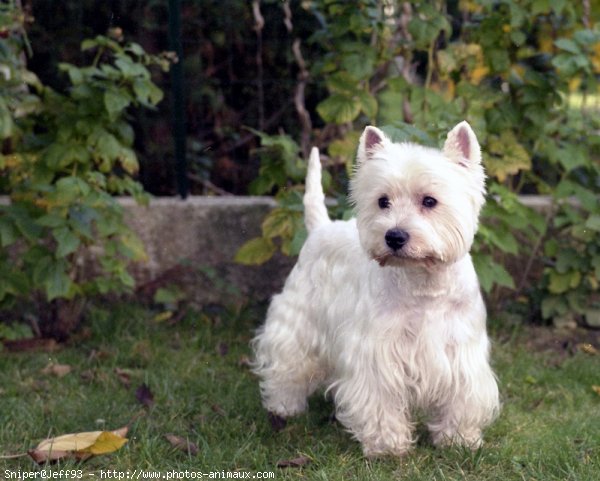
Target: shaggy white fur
385,310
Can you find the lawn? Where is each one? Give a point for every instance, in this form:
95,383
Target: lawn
200,389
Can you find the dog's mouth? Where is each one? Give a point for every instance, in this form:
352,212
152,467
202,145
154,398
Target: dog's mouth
399,258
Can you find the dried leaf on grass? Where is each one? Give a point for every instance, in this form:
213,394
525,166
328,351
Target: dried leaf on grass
587,348
79,445
58,370
182,444
124,376
163,316
294,463
88,375
596,389
144,395
222,349
245,361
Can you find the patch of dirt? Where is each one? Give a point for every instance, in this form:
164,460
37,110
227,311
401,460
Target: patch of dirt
562,343
544,339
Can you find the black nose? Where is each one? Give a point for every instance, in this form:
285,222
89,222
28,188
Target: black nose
396,238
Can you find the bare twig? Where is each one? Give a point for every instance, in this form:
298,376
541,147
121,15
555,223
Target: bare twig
288,16
299,99
405,19
258,27
268,122
207,184
587,8
532,256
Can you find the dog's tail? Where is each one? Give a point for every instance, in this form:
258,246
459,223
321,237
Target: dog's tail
315,211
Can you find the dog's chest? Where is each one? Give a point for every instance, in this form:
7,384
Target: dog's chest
424,336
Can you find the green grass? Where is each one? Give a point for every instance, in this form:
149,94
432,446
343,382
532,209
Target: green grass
549,428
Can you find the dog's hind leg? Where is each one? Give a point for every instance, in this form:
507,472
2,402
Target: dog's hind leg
286,358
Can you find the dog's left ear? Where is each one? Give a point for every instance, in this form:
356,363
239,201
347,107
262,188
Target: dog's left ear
461,146
371,139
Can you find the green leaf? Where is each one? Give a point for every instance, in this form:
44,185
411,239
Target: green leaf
12,282
81,218
128,160
67,241
24,222
593,222
156,94
51,275
490,273
131,68
297,241
427,25
147,93
131,246
88,44
572,156
6,121
69,189
8,233
55,155
505,155
553,305
141,88
171,295
108,224
358,66
75,74
124,131
52,220
561,283
278,223
504,240
568,45
565,63
115,101
135,48
339,109
368,104
342,83
255,252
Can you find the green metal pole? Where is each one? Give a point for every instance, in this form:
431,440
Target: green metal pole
178,98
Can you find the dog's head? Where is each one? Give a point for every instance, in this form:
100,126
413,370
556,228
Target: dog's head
416,204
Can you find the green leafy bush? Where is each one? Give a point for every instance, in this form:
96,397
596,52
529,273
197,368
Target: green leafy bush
515,71
64,158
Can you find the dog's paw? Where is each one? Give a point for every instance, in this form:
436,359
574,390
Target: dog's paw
469,439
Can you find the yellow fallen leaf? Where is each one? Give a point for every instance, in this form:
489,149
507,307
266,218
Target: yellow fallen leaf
596,389
163,316
79,445
587,348
107,442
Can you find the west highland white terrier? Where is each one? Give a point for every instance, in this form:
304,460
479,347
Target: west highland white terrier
385,310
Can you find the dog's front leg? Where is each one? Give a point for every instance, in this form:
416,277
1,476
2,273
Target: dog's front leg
377,419
471,403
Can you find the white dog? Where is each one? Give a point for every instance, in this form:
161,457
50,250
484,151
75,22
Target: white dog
385,309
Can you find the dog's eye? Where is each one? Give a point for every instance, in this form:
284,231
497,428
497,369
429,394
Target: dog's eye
429,202
383,202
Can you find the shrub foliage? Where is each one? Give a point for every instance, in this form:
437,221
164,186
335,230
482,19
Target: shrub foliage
64,158
523,73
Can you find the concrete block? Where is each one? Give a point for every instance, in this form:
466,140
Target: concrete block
192,243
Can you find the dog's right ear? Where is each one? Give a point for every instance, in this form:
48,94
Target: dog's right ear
370,141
